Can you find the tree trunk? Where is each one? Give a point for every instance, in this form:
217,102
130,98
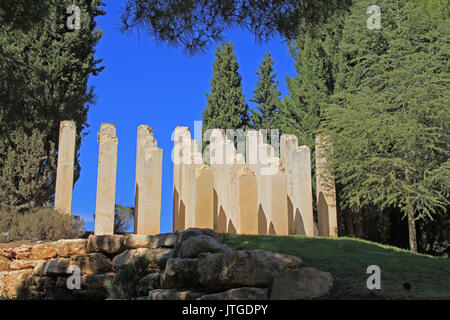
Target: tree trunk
412,230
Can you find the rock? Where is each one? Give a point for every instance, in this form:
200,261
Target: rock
142,298
180,273
193,246
52,267
22,252
44,251
162,294
24,264
305,283
149,282
158,257
37,287
242,268
110,244
92,263
163,240
193,232
245,293
71,247
95,281
13,283
4,264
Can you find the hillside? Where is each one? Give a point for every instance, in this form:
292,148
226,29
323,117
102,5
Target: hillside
348,258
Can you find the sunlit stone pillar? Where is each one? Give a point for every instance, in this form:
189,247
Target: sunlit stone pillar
248,201
64,171
106,180
326,191
204,197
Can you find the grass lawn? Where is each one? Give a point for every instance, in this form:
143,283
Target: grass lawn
348,258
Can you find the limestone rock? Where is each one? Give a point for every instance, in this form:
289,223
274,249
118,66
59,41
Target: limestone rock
70,247
23,264
192,232
252,268
149,282
162,294
13,283
52,267
142,298
305,283
43,251
180,273
110,244
92,263
245,293
193,246
158,257
22,252
4,264
163,240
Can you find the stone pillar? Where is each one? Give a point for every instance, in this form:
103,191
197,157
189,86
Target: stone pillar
248,202
106,180
64,171
221,188
277,213
148,183
181,135
326,191
297,164
204,197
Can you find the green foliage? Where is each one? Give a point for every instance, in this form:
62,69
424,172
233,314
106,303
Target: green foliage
123,216
193,25
45,224
125,282
6,219
347,259
266,96
44,72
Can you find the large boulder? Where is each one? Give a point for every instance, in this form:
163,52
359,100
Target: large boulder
24,264
245,293
305,283
195,245
163,240
71,247
180,273
13,283
49,250
193,232
4,264
163,294
242,268
149,282
158,257
88,263
52,267
108,244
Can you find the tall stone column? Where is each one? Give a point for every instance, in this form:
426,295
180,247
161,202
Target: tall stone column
64,171
148,183
181,136
248,201
297,164
204,197
326,191
106,180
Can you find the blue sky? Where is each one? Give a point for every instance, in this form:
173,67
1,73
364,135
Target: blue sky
148,83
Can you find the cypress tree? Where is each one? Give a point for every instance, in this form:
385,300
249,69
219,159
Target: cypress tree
44,72
226,107
266,96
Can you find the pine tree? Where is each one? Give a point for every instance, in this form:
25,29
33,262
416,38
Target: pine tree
266,96
389,120
44,72
226,107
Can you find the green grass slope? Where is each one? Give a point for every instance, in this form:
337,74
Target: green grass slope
348,258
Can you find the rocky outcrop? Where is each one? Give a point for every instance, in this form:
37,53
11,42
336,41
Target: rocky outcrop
188,265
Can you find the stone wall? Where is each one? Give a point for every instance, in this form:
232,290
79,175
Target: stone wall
193,264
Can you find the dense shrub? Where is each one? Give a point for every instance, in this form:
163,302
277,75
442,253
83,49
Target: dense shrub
125,282
45,224
6,219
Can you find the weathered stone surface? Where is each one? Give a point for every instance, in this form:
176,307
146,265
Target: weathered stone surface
142,298
180,273
162,294
24,264
92,263
4,264
22,252
95,281
245,293
37,286
163,240
158,257
192,232
14,282
111,244
253,268
193,246
149,282
52,267
44,251
70,247
305,283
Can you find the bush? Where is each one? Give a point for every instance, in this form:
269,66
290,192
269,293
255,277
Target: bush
45,224
125,283
6,219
